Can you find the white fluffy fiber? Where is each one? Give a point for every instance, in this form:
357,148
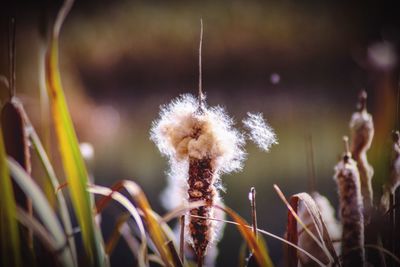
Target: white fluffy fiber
259,131
180,121
175,194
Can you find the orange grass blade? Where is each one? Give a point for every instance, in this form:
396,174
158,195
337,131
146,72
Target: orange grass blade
257,246
264,232
154,224
116,233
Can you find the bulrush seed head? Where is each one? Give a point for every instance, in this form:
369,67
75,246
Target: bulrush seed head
393,183
201,144
362,133
348,182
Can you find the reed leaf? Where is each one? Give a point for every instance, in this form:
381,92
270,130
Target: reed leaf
38,229
54,183
43,211
9,232
74,166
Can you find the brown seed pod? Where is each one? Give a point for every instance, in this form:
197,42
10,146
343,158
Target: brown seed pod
348,181
362,133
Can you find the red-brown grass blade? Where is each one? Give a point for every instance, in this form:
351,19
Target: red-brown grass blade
292,235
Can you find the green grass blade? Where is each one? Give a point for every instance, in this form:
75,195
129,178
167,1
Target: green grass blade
74,167
50,173
43,210
9,232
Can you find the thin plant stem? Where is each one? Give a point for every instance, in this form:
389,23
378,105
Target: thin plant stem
253,210
397,105
201,96
12,57
182,239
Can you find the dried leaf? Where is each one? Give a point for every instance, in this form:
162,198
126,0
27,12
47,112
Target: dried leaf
323,240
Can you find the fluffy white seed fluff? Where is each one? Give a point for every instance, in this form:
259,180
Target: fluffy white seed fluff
180,121
175,194
259,131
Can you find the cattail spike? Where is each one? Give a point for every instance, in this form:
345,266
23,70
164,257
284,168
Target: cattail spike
396,137
362,133
351,209
393,182
200,146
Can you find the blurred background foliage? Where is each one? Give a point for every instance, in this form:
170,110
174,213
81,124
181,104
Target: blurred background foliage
301,63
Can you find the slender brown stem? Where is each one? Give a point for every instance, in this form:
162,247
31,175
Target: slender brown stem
182,239
200,262
201,96
174,253
347,148
397,106
392,224
11,56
